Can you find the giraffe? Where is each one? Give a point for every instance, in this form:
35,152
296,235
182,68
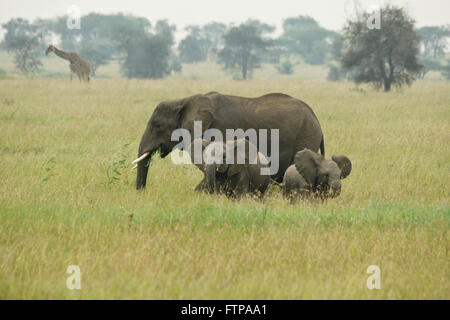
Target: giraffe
77,64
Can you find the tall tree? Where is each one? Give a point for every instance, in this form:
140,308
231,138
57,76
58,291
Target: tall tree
243,45
109,30
383,57
124,28
23,39
192,49
166,31
446,70
68,37
435,40
95,54
148,57
304,36
145,54
201,41
430,64
214,32
336,72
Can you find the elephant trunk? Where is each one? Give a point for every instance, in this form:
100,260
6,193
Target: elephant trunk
142,170
336,189
210,173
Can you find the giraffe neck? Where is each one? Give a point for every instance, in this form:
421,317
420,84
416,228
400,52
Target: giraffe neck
61,54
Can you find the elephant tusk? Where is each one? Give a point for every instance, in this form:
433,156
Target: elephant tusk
141,158
135,166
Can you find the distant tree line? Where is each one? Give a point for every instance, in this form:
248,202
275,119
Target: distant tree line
143,50
395,54
147,51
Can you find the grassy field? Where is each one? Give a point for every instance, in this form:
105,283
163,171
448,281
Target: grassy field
67,197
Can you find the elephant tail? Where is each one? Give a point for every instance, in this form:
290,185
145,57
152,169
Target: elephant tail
322,147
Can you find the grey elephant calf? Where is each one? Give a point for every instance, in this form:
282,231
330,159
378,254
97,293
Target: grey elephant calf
312,175
242,173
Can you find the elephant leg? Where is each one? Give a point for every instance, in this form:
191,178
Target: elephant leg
305,194
292,197
287,190
290,192
71,75
242,186
298,192
260,194
262,190
202,186
323,197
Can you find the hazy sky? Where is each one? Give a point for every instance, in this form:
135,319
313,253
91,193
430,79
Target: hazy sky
331,14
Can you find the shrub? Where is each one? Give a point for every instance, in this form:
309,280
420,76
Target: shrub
286,68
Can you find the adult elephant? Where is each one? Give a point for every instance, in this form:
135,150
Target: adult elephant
298,126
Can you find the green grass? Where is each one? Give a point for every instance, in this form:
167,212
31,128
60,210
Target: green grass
67,197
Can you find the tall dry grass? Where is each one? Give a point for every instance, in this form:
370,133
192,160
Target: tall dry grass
67,197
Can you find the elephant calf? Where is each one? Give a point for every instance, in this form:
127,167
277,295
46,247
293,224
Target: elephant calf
312,175
232,179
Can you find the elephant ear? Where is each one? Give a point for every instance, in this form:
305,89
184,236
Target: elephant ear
238,146
344,164
195,108
307,163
